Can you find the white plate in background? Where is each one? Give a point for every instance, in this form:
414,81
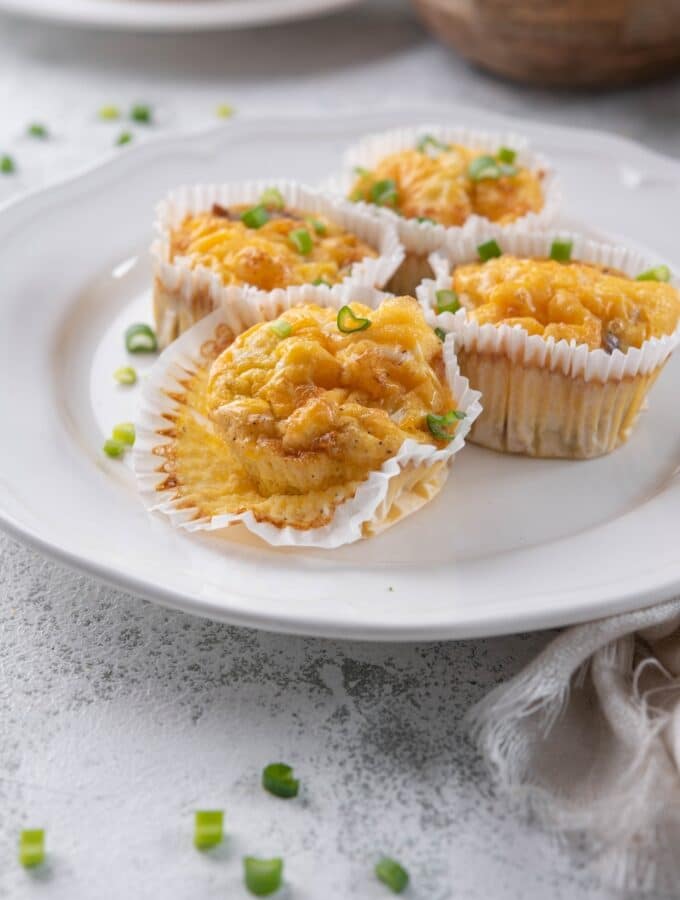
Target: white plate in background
509,544
171,15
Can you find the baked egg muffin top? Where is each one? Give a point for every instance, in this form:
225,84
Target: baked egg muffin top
267,245
447,183
578,301
294,414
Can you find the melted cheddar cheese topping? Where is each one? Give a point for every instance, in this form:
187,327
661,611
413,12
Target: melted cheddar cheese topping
289,427
440,188
571,301
267,257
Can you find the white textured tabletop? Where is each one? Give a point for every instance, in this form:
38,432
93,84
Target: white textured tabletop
119,719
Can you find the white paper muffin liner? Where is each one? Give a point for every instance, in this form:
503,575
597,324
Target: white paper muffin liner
568,357
366,509
178,278
421,238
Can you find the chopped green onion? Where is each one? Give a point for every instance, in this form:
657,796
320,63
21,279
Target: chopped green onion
447,301
7,165
425,219
224,111
140,112
506,155
384,192
392,874
658,273
262,876
124,433
36,130
489,250
348,323
109,113
32,847
281,328
361,172
483,167
560,251
208,827
438,424
302,241
125,375
277,778
428,140
321,281
113,448
272,198
125,137
255,217
441,334
318,226
140,338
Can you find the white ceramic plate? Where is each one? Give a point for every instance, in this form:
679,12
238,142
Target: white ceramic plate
510,543
171,15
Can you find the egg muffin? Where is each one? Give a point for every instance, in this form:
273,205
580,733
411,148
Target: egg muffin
434,182
258,236
316,426
564,337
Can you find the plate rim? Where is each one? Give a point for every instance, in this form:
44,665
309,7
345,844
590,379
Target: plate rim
167,16
239,612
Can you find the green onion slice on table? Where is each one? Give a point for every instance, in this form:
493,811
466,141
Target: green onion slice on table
32,847
392,874
278,779
208,828
262,876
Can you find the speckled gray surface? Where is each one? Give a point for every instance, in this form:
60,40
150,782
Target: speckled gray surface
120,718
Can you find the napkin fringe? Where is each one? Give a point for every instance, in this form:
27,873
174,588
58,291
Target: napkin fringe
629,826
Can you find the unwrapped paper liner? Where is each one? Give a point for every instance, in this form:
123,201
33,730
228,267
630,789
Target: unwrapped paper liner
567,357
179,277
242,310
421,238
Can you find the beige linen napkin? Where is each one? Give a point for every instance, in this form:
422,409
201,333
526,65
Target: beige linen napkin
587,739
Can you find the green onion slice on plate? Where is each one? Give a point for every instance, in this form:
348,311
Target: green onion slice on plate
140,338
277,778
125,375
124,433
262,876
348,323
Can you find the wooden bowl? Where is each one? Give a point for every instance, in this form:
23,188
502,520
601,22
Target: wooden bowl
566,43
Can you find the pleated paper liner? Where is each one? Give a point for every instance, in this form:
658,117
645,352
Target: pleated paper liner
184,294
402,485
544,397
422,238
